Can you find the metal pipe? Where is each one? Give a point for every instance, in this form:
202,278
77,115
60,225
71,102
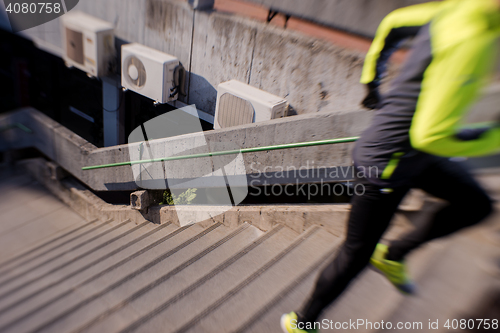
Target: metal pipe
229,152
16,125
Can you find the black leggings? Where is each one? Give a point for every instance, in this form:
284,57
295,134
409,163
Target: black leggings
371,214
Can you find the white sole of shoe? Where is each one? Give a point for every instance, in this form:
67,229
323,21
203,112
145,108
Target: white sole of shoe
282,323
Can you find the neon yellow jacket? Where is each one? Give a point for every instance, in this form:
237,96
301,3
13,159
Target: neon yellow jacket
463,41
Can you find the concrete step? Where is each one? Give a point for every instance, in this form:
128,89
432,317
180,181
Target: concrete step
73,298
64,283
18,193
247,298
87,239
30,212
21,277
93,299
250,263
455,283
61,242
290,298
23,225
79,263
369,297
176,281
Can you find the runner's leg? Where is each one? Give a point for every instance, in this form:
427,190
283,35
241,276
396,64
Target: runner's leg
370,216
467,205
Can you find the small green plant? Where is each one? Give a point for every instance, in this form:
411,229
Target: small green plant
167,198
185,198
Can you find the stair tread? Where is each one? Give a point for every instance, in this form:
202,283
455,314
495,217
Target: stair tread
63,238
178,236
176,283
125,281
31,234
21,276
362,299
64,282
459,267
182,307
249,297
75,262
53,253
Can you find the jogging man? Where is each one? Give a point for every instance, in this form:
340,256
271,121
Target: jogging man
416,128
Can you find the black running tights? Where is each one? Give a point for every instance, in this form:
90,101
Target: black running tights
371,214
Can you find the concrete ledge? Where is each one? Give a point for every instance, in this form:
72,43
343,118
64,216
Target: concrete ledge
296,217
357,16
77,197
142,200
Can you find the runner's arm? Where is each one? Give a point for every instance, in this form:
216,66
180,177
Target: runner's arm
451,83
398,25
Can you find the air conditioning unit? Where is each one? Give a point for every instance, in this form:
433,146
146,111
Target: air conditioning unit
150,72
88,43
239,103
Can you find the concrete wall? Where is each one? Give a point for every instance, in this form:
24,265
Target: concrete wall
312,75
357,16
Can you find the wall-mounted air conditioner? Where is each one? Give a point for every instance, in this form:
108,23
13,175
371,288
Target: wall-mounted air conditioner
88,43
239,103
151,73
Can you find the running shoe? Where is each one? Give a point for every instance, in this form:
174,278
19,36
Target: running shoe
394,271
289,320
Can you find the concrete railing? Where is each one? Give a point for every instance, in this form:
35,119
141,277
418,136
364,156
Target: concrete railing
287,166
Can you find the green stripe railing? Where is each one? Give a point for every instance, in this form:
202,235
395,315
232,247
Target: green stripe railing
229,152
16,125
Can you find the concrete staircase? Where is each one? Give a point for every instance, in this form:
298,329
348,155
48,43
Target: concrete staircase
70,275
120,276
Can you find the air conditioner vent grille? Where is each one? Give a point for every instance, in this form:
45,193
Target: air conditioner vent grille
135,66
74,46
234,111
